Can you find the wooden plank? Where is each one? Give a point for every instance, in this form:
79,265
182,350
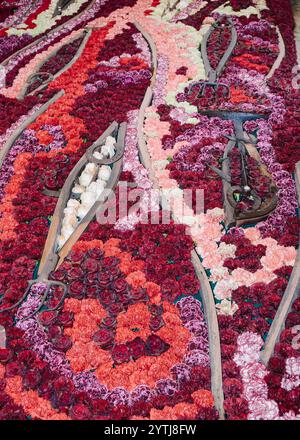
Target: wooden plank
291,293
50,256
9,143
213,335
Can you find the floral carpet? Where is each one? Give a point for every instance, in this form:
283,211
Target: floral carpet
193,318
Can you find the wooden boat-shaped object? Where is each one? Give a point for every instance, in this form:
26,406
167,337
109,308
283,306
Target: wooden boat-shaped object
55,253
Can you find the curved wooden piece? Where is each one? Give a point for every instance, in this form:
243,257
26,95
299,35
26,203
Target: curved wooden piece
9,143
2,337
86,33
213,335
152,47
51,255
291,293
43,37
281,54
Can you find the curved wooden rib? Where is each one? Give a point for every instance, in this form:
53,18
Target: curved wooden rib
212,74
2,337
291,293
213,335
86,33
153,50
25,124
50,254
281,54
43,37
142,147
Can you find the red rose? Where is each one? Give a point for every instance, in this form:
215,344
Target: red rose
13,369
156,346
75,273
232,387
120,353
137,348
80,412
32,379
77,289
104,338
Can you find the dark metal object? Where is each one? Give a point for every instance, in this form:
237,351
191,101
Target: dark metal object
240,140
213,74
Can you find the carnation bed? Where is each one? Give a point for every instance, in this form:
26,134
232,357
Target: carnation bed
196,318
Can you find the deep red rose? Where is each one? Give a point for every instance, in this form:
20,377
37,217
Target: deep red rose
155,346
54,331
96,253
156,323
207,414
115,309
75,273
77,289
108,322
104,338
137,348
47,318
230,369
106,297
62,343
32,379
232,387
277,365
120,353
13,369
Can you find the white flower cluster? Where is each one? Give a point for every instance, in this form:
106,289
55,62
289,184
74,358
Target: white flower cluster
86,191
